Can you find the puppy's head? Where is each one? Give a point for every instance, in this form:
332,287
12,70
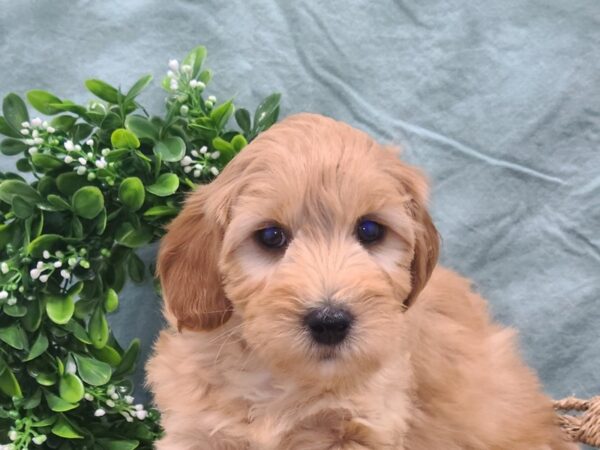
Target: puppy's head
316,237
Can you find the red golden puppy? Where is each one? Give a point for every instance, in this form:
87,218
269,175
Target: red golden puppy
306,312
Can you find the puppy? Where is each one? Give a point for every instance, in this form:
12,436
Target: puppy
306,312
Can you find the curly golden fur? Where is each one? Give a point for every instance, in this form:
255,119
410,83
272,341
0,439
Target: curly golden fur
423,367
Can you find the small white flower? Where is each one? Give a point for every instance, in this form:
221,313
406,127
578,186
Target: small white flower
99,412
32,150
25,131
141,414
195,153
69,146
72,262
82,161
3,295
34,274
212,98
215,155
65,274
35,133
45,125
91,176
128,418
38,141
90,155
46,254
40,265
25,124
29,141
184,110
70,367
203,149
105,151
129,399
170,74
198,166
77,147
193,84
110,403
114,396
39,439
111,390
89,397
4,267
44,278
89,142
188,169
11,301
13,435
173,65
101,163
36,122
214,171
186,161
81,170
68,159
173,85
58,264
50,130
138,407
186,68
197,173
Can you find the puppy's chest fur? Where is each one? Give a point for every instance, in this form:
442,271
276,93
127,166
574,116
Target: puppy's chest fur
236,400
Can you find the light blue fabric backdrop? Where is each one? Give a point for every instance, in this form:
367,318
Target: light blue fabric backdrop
499,102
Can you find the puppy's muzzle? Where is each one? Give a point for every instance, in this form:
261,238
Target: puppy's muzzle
328,325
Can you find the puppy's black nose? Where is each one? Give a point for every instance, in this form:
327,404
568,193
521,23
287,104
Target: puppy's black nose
328,325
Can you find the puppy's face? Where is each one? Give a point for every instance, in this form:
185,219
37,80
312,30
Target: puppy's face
316,238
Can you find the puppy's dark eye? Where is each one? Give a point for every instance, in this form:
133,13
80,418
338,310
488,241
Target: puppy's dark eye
272,237
369,231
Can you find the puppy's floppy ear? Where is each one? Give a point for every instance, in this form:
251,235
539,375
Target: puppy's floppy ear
427,241
188,266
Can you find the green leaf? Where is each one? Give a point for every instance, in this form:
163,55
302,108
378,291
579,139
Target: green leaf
21,207
239,142
127,365
7,130
117,444
14,110
18,310
107,354
41,101
14,336
68,105
33,401
166,184
78,331
10,188
58,202
33,318
68,183
8,382
70,388
101,221
267,112
170,149
91,371
116,155
23,165
44,242
111,300
122,138
45,161
103,90
57,404
129,236
39,347
87,202
98,328
81,131
131,193
195,58
138,87
221,114
64,123
59,309
64,429
161,211
242,117
142,127
10,147
136,268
